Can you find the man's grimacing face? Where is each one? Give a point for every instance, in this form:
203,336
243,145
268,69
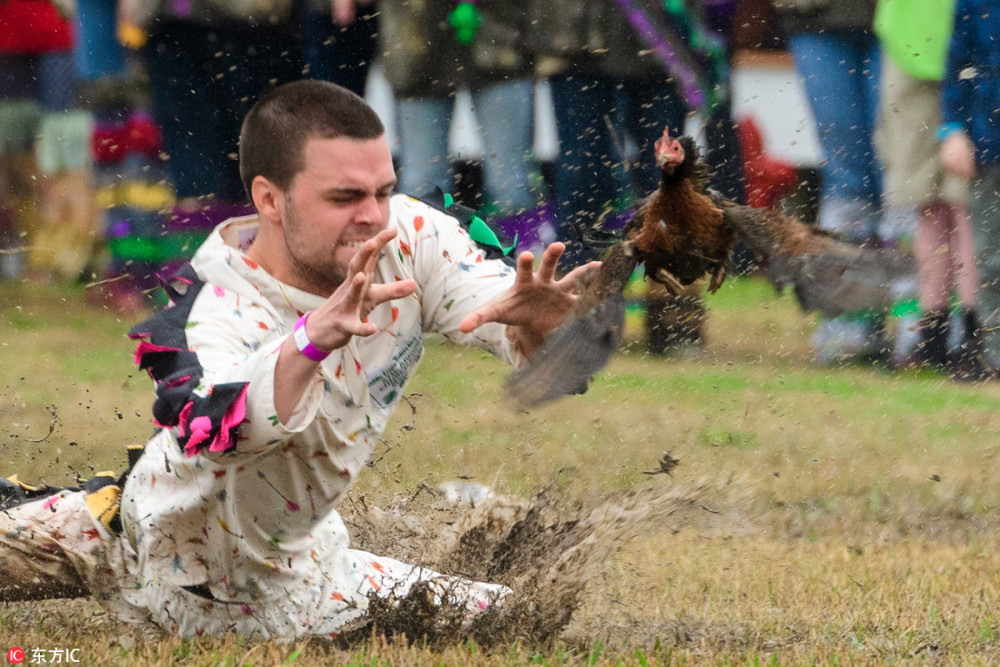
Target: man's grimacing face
338,201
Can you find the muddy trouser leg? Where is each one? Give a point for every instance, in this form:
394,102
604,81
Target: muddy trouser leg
49,547
335,597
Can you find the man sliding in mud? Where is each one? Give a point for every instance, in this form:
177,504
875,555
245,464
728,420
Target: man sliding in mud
290,338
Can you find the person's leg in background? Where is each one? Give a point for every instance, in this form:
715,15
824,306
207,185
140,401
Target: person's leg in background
57,220
179,60
723,155
946,261
926,215
840,72
255,60
424,130
585,184
20,116
932,249
506,113
725,160
984,214
907,117
967,361
182,61
195,73
98,53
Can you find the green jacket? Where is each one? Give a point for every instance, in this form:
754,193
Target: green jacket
590,36
798,16
915,34
421,56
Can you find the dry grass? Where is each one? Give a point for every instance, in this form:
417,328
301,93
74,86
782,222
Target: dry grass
835,515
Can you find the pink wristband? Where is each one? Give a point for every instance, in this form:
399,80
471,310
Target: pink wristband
304,344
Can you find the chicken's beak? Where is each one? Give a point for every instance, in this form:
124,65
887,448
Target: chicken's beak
669,153
668,160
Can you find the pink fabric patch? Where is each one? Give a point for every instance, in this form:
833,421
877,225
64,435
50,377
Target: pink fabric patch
182,419
201,428
234,416
145,347
176,382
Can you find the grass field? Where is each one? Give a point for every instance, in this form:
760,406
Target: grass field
835,515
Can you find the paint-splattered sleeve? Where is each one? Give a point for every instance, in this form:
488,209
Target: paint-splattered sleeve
453,276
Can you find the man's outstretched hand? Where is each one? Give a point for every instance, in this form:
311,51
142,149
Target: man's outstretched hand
345,313
332,325
535,305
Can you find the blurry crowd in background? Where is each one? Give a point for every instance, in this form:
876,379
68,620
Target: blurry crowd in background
119,123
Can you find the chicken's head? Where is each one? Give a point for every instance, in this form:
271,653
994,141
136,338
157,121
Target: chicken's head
669,152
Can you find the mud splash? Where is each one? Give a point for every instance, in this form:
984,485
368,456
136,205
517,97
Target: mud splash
545,549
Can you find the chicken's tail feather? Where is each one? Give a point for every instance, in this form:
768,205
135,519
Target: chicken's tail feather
848,280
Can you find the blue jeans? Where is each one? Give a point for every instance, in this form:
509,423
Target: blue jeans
505,111
841,71
589,175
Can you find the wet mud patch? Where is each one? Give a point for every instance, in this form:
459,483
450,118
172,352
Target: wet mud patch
545,549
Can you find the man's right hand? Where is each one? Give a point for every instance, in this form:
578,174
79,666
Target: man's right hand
345,313
331,326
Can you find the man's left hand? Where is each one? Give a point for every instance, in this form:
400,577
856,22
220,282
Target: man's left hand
535,305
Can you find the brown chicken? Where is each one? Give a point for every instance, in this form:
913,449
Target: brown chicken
680,233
